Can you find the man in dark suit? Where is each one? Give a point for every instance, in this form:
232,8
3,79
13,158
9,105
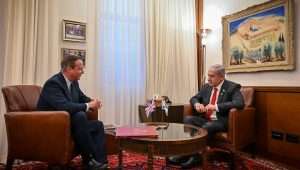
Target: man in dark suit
62,92
211,106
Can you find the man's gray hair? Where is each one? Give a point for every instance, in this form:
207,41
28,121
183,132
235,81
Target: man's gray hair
69,61
219,69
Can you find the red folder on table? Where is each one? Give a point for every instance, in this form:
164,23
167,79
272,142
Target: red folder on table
146,131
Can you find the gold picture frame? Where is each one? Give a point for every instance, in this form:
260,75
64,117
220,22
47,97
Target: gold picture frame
74,31
259,38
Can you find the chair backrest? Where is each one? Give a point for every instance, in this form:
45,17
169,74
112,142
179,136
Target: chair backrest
21,97
248,94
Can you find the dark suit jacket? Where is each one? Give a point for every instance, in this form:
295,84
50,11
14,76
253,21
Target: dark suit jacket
229,97
55,95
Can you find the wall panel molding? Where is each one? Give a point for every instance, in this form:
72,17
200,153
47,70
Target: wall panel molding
278,113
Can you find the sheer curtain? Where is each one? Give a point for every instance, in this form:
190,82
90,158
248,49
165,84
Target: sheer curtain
171,49
121,59
27,56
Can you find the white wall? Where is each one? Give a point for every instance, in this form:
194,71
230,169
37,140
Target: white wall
83,11
213,12
75,10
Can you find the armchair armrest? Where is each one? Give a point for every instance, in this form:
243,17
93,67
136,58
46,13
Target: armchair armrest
241,127
44,132
187,110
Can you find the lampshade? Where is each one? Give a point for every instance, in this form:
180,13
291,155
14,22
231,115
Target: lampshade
203,33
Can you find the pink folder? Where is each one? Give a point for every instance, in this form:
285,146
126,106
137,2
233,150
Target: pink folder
147,131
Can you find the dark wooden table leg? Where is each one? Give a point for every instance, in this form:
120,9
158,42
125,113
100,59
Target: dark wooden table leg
150,156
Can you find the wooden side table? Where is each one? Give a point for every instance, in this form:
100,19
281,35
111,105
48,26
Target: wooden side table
175,114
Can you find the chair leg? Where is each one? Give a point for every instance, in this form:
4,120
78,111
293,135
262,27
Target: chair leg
9,163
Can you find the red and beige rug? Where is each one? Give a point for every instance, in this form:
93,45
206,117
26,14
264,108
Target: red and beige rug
133,161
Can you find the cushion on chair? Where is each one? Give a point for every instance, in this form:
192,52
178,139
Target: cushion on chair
248,94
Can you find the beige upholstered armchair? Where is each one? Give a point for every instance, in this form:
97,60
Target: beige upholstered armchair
241,126
36,135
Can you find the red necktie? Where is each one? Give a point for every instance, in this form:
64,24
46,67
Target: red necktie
213,102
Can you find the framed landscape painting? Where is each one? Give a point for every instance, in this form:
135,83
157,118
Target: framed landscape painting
74,31
259,38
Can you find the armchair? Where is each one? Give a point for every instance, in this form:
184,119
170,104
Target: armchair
36,135
241,125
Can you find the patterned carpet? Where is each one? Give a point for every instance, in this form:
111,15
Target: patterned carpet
134,161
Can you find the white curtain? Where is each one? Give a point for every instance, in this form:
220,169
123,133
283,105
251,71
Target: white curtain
145,47
3,30
27,56
171,49
121,54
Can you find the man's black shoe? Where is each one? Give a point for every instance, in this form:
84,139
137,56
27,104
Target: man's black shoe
177,159
191,162
95,165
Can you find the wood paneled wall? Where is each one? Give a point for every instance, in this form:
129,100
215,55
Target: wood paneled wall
278,111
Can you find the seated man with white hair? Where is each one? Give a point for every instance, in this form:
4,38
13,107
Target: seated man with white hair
211,107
